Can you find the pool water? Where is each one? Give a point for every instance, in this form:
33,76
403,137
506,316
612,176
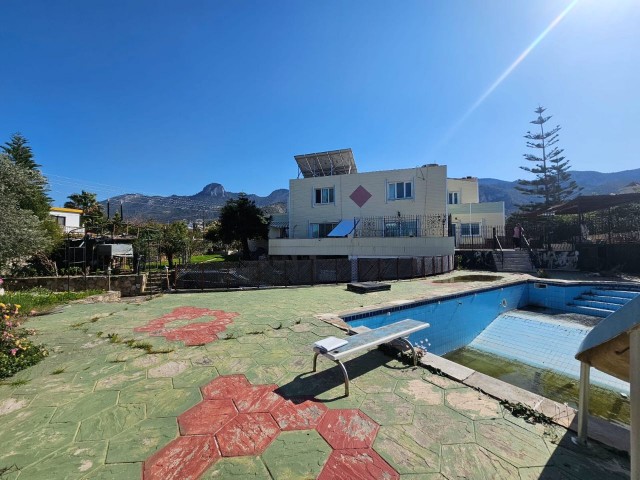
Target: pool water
603,403
526,334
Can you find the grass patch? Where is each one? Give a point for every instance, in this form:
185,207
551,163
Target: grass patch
133,343
16,383
58,371
255,332
43,300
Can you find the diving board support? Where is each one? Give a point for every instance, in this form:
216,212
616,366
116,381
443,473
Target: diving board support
369,339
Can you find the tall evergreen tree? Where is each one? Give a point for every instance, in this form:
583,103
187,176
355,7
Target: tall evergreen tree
552,183
19,151
92,214
240,220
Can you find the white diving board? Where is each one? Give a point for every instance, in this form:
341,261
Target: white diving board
372,338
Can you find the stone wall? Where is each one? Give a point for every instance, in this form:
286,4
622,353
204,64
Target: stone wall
127,285
553,260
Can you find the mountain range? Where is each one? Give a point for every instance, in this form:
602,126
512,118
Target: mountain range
206,204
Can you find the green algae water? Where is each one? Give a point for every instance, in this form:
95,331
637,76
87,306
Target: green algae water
603,403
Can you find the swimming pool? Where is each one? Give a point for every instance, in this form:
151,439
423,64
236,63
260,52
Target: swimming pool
532,323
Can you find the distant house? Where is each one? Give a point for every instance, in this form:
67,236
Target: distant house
472,222
68,219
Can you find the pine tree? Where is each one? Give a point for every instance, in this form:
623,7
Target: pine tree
19,151
552,183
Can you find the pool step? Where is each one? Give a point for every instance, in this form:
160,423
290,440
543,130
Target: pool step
596,312
601,302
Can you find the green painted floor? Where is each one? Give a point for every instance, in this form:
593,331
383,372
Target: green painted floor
98,408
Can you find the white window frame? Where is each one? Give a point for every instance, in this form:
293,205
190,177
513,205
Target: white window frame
470,226
392,191
318,225
330,194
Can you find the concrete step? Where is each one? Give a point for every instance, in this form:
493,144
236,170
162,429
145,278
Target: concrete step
596,312
596,304
616,293
604,298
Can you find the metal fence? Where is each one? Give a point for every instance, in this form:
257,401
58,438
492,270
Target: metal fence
264,274
402,226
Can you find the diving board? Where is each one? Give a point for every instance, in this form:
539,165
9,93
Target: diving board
369,339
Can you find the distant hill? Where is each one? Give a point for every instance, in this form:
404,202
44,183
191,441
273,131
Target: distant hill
593,183
206,203
203,205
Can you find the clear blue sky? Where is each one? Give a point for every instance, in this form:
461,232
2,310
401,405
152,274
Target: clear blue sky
164,97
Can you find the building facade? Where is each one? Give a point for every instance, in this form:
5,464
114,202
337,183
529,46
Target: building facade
68,219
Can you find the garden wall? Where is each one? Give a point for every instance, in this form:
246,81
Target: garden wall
127,285
623,257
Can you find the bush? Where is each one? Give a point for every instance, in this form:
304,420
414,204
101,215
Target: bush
17,352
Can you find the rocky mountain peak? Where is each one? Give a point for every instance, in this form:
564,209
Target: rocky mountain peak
213,190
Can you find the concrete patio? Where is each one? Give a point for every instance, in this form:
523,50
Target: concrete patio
219,385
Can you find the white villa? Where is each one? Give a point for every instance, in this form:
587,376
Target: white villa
334,211
68,219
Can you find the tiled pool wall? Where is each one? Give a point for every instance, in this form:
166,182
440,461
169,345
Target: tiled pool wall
456,320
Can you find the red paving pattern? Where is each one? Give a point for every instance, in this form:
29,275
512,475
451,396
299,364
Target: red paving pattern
237,418
194,333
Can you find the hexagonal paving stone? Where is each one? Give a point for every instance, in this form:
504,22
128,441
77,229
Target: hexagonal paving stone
439,424
74,461
169,369
232,365
406,453
548,472
294,455
224,387
357,463
247,434
141,440
388,409
14,403
348,429
119,380
265,374
591,464
171,403
441,381
258,398
208,416
301,416
473,404
116,471
110,422
195,377
516,445
473,461
27,446
85,406
239,468
419,392
374,381
184,458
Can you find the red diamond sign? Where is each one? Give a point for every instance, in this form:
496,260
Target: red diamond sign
360,196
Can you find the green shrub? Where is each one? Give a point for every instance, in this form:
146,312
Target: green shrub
17,352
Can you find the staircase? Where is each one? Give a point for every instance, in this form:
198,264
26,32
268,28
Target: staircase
156,283
601,302
514,261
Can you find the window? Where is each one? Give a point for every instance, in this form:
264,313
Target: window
320,230
454,199
62,221
324,195
401,228
399,190
470,229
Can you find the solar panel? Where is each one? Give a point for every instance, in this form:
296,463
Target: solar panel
344,228
324,164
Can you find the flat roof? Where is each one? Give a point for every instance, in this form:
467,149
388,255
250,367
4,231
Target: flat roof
324,164
65,210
